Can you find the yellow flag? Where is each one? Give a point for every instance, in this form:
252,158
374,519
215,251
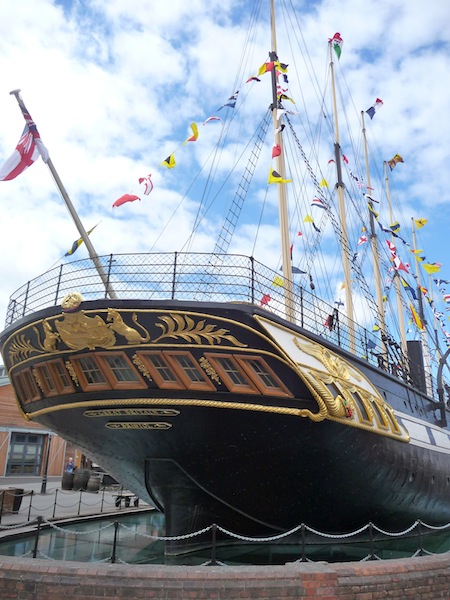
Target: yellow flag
416,317
324,183
194,136
278,281
308,219
275,177
420,222
430,268
169,162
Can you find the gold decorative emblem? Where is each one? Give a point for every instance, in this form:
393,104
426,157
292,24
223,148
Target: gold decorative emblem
79,331
132,335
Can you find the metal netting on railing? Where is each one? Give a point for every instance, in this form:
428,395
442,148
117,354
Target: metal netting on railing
199,277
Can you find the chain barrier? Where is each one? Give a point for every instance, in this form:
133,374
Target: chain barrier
419,525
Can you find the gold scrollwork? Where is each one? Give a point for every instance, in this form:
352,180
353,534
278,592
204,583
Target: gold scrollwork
209,370
142,367
72,373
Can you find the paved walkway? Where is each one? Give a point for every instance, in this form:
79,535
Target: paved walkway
56,503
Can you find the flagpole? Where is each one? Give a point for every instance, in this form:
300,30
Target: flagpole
83,234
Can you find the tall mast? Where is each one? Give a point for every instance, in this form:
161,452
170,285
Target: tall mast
400,315
342,218
374,246
282,195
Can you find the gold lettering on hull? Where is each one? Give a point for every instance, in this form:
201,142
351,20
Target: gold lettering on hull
134,425
132,412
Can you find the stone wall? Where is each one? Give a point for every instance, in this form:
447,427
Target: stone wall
424,578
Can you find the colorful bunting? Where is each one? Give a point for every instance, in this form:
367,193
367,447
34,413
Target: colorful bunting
431,268
276,150
278,281
125,198
78,243
373,109
420,223
231,102
169,162
337,42
194,135
394,160
416,318
148,184
265,299
275,177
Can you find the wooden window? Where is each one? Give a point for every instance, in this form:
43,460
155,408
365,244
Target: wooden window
54,378
263,376
89,373
160,370
120,371
232,373
189,371
26,386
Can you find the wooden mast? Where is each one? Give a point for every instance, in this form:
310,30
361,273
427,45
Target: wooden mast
342,218
398,294
79,225
375,257
282,195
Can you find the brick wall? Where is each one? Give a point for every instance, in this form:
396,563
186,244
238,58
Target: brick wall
423,578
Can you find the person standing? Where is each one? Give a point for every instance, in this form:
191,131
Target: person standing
70,466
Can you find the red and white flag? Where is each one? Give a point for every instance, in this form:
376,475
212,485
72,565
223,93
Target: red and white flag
27,151
148,184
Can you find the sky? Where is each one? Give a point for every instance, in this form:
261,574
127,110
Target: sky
113,86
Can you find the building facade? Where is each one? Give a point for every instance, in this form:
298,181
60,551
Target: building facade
26,448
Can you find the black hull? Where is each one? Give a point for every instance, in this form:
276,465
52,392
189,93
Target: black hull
256,464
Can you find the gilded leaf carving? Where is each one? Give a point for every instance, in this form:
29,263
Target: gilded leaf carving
184,327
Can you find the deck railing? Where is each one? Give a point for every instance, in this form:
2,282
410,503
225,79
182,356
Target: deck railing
201,277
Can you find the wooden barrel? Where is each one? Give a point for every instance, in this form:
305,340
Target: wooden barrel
94,482
80,479
67,481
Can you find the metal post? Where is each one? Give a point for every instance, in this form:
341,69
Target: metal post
213,560
59,283
54,505
44,475
36,542
116,528
174,277
29,507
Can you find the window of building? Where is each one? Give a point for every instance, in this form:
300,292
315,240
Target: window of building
25,454
263,376
161,372
232,373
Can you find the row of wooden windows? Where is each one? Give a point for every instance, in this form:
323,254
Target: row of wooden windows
176,370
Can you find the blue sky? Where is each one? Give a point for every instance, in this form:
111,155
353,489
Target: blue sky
113,86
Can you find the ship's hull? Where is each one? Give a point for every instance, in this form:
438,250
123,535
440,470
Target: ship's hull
231,416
